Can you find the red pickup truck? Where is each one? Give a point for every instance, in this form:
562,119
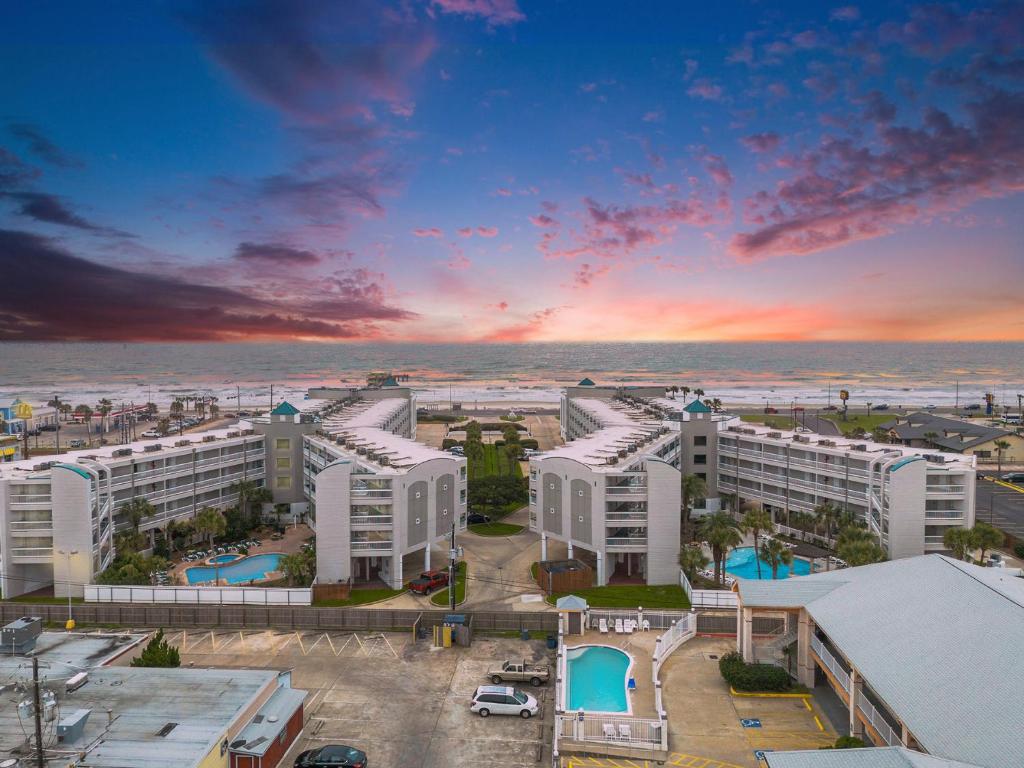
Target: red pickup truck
428,582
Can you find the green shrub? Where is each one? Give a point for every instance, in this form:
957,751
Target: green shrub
158,654
1019,551
448,442
501,426
529,442
849,742
753,677
499,443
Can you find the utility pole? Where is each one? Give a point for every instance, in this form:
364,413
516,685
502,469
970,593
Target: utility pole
40,762
238,397
56,400
271,397
956,402
1020,407
452,554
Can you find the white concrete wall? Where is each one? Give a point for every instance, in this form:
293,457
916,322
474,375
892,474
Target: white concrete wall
333,531
906,510
72,531
663,509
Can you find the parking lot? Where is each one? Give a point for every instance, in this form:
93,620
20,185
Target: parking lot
1000,503
405,704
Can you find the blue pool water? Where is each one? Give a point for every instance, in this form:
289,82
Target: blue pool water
740,563
597,679
224,558
238,572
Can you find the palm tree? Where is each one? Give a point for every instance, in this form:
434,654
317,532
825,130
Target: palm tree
214,410
686,391
673,389
137,509
692,559
930,438
86,413
959,541
986,537
177,409
755,521
249,493
880,435
698,393
1001,447
512,451
163,426
728,500
716,404
775,553
210,522
825,514
722,533
861,552
693,488
103,409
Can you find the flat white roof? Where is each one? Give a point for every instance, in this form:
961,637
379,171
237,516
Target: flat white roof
362,424
622,426
105,453
845,444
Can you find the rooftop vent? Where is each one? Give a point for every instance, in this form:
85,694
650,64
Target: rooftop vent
247,432
859,447
152,447
209,438
183,443
233,433
775,435
166,729
75,682
121,452
42,466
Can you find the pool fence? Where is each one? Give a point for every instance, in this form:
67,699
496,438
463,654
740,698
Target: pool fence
97,593
707,598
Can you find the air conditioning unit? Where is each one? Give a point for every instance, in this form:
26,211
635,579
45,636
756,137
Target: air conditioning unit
859,447
121,452
234,433
183,443
209,438
749,431
76,681
935,458
775,435
152,447
384,461
42,466
247,432
361,450
801,439
827,443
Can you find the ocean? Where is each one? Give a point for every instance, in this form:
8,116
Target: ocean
737,373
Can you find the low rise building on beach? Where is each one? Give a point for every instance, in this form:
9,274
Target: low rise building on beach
965,436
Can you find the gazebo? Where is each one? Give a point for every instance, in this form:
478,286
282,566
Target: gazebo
574,609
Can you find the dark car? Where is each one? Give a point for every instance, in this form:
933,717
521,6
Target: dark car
48,427
476,518
332,756
1014,477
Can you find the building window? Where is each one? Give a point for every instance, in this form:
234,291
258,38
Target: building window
700,458
444,513
283,482
283,443
284,462
444,487
417,494
700,440
703,476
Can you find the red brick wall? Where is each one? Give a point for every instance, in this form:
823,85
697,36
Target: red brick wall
276,750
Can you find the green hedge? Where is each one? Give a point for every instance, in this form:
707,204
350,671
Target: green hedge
448,442
753,678
502,426
529,442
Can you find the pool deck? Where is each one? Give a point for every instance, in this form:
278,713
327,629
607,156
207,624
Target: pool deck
639,645
289,544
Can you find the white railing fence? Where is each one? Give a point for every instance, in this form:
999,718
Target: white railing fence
840,674
617,730
681,631
270,596
874,717
653,619
707,598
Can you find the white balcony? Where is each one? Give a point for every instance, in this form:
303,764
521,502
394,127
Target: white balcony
626,543
943,490
366,547
371,521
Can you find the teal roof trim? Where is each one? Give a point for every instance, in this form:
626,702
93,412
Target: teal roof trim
77,470
697,407
285,409
390,382
587,382
904,461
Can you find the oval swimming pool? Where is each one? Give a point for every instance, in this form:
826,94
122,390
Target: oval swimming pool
597,679
252,568
224,558
740,562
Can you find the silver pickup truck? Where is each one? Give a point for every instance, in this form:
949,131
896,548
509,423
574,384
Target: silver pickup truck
536,674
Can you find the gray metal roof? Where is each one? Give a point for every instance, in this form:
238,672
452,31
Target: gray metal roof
884,757
961,434
571,603
937,640
785,593
268,723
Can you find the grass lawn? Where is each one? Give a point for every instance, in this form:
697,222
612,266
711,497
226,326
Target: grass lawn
867,423
494,462
769,420
441,598
360,597
664,597
496,529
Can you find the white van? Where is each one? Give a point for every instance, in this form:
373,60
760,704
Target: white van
1012,418
503,700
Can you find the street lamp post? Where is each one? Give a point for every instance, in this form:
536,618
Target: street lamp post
67,554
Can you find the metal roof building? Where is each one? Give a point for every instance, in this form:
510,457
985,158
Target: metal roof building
925,651
885,757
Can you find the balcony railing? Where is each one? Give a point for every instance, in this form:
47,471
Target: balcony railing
945,488
30,499
371,493
371,521
31,551
944,514
875,719
831,664
30,525
625,490
371,546
615,517
623,541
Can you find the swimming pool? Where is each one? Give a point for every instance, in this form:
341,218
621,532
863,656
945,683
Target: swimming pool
596,679
224,558
740,563
237,572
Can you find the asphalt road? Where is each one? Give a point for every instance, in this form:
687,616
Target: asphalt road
999,505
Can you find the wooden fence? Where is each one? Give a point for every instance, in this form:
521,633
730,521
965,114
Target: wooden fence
554,579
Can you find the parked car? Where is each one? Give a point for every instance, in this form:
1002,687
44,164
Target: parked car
331,756
503,700
151,433
830,408
881,407
48,427
476,518
519,671
973,407
769,409
76,443
428,581
1014,477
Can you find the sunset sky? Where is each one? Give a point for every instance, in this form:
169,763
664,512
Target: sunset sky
503,170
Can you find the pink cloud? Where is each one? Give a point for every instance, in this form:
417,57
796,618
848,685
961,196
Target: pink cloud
496,12
503,192
527,330
487,231
431,232
761,142
844,192
542,220
586,274
654,116
465,231
705,89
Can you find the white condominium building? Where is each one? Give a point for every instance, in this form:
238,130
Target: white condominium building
376,495
614,488
58,516
908,497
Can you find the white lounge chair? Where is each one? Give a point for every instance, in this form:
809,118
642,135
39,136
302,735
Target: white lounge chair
625,733
629,626
618,627
603,626
609,730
